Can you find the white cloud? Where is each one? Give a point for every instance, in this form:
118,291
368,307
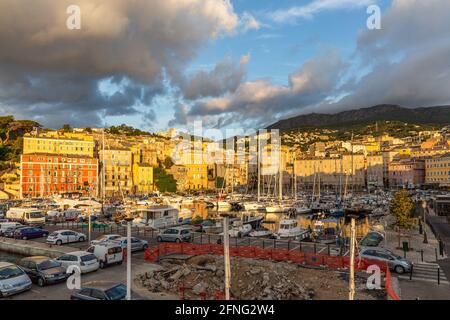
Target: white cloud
308,11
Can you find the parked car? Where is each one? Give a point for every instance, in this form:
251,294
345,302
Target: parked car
13,280
177,234
107,253
372,239
101,292
6,225
30,233
136,244
43,270
65,236
395,262
106,237
87,262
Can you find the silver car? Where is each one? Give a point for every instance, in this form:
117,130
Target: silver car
136,244
177,234
13,279
395,262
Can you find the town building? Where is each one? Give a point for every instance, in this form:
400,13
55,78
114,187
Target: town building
406,173
437,170
59,142
118,175
44,175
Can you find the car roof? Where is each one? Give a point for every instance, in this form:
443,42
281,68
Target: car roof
78,253
59,231
102,285
37,258
179,228
107,244
6,264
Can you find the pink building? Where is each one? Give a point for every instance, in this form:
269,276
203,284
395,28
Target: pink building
406,173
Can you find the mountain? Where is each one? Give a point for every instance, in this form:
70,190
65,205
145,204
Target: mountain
439,115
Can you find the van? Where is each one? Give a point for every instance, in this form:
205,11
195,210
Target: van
29,216
6,225
107,253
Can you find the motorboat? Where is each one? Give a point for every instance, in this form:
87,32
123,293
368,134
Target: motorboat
157,217
253,206
260,232
289,229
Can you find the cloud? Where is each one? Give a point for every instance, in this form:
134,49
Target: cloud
225,77
180,116
409,58
52,73
262,101
249,22
311,9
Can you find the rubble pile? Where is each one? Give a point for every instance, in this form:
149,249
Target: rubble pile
204,276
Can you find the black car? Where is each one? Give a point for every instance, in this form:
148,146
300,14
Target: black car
43,270
101,292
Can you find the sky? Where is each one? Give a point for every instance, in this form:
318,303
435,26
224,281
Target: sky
156,64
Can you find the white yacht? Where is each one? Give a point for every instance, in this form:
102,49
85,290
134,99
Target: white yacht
253,206
277,208
157,217
289,229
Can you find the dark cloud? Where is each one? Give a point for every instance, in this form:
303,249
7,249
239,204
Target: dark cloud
51,73
180,116
224,78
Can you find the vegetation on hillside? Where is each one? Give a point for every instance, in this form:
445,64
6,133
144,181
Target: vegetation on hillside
127,130
11,138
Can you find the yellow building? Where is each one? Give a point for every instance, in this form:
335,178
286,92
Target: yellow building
118,171
374,167
142,178
197,176
437,170
345,170
58,142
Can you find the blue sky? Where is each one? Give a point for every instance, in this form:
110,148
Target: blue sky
228,63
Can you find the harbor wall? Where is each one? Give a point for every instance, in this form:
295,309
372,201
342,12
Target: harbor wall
30,248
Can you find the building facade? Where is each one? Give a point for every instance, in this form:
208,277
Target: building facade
406,173
118,174
437,170
44,175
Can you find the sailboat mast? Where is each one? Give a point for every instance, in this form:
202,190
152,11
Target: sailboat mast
295,178
280,173
258,160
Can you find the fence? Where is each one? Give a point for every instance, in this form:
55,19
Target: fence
153,254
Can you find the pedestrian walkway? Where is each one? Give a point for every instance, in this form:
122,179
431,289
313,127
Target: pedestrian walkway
429,272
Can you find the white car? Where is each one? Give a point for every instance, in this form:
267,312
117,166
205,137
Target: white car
105,238
87,262
65,236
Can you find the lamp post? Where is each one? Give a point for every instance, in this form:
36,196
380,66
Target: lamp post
226,255
128,219
424,207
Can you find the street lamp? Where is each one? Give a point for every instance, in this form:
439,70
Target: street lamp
424,207
226,255
128,219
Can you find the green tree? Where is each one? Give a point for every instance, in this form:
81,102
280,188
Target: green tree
168,163
164,182
66,127
402,208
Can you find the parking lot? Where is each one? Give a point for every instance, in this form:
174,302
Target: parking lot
198,238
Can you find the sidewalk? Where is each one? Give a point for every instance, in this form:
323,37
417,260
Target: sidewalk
416,245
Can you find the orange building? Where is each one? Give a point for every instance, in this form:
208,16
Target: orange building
44,175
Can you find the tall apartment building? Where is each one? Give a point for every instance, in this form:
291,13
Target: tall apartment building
118,178
44,175
58,142
346,169
408,172
437,170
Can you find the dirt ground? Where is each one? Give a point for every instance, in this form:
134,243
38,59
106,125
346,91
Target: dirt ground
251,279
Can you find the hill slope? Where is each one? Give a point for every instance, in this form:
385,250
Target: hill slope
430,115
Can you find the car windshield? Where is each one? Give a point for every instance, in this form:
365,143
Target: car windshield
53,234
88,257
10,272
48,264
35,214
117,293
